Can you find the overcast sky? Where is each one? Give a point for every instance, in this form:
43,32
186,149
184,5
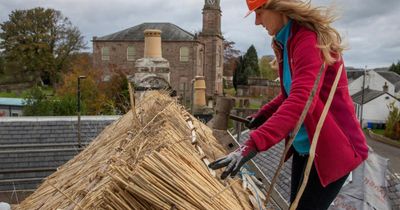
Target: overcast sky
370,28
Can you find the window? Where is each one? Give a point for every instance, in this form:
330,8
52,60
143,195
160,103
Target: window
182,84
130,53
184,54
105,54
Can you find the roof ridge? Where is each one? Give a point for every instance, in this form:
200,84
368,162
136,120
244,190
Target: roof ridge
170,32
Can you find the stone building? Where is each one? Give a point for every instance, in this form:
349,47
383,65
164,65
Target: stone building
188,54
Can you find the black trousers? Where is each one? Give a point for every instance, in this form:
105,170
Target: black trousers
315,196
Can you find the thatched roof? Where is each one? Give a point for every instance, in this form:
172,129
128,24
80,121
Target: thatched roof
146,160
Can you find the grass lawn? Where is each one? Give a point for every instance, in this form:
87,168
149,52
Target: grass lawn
254,106
378,131
14,94
230,92
8,95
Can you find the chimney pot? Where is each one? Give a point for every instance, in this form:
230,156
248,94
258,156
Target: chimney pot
152,43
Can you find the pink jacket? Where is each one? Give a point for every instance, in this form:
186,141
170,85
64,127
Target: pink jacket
341,146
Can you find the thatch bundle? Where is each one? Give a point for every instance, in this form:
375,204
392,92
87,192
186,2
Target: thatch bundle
153,158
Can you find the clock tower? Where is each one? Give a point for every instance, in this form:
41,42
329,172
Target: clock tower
212,38
212,17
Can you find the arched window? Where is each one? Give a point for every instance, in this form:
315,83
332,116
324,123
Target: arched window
105,54
130,53
184,54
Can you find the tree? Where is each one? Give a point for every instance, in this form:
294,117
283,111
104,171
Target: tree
250,60
98,96
266,70
38,103
240,74
93,99
395,67
230,52
116,91
392,121
230,57
2,62
38,42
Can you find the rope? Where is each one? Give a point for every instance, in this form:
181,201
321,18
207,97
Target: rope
250,173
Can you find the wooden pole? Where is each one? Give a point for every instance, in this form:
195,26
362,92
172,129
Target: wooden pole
295,131
315,140
222,111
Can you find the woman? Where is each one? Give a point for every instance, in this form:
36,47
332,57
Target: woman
303,41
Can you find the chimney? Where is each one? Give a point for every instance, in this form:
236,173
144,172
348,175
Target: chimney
152,43
199,98
385,88
152,72
200,109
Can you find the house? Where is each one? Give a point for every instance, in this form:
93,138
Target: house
188,54
375,79
11,107
372,106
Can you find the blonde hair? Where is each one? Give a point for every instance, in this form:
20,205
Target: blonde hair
317,19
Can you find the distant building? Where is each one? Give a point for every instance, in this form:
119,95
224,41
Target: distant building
374,80
188,54
11,107
375,109
259,87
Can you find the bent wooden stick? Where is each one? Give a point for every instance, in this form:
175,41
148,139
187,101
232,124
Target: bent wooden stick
295,131
315,139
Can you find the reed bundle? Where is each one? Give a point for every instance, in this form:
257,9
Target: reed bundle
152,158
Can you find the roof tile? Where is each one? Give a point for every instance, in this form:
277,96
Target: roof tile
169,32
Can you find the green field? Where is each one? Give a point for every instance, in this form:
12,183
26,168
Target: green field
15,94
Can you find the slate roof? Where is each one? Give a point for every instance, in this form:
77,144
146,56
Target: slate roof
394,189
268,162
169,32
392,77
31,148
369,95
353,74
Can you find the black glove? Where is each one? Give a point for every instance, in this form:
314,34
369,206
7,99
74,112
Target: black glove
235,160
255,122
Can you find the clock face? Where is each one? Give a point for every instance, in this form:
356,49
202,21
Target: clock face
211,1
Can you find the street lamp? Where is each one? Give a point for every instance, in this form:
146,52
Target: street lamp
79,109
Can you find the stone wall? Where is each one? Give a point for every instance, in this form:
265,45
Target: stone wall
269,90
182,72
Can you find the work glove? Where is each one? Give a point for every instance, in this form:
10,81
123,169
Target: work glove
235,160
255,122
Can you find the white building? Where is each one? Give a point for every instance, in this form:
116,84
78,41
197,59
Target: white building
375,80
11,107
375,109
